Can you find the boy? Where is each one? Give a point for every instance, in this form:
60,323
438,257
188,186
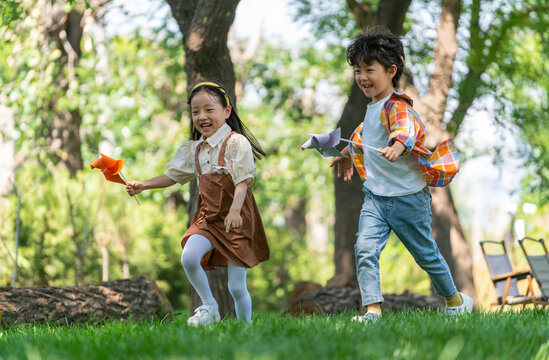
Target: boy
396,177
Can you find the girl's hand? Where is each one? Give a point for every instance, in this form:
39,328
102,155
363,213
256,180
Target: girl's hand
134,187
344,166
233,220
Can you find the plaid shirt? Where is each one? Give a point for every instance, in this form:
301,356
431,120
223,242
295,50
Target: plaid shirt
404,125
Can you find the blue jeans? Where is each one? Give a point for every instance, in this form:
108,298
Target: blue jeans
409,217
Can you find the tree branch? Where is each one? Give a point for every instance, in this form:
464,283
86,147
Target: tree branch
362,11
480,57
6,248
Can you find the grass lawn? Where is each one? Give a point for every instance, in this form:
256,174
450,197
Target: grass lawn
412,335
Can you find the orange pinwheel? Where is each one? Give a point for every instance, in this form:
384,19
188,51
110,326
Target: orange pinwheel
111,169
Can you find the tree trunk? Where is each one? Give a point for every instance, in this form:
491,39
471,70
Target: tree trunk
103,243
135,298
105,262
123,244
81,249
456,251
39,257
446,226
205,26
332,300
348,201
432,106
17,233
65,30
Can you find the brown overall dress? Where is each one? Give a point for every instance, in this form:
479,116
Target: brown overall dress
246,246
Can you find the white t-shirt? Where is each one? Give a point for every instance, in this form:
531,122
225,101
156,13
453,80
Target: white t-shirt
385,178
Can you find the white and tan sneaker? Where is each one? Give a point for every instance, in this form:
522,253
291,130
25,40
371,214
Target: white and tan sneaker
204,315
464,308
370,317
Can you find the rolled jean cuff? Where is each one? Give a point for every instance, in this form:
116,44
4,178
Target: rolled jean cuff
453,292
372,300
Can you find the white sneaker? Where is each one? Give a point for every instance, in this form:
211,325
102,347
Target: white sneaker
464,308
204,315
370,317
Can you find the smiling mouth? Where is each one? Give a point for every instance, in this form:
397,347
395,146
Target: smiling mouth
205,126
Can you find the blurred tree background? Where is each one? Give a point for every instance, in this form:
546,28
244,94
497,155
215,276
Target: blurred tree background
68,85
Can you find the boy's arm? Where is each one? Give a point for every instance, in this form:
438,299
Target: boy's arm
402,127
344,165
392,152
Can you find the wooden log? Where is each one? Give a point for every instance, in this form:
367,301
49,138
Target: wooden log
135,298
330,300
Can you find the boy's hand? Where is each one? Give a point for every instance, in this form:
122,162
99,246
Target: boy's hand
233,220
345,166
392,152
134,187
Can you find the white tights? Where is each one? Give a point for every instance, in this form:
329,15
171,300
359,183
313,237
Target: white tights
194,249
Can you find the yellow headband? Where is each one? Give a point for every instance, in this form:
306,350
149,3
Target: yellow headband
214,85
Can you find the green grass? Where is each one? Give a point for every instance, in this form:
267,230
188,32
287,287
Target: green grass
412,335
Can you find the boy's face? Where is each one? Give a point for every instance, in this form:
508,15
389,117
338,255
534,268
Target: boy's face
208,113
374,80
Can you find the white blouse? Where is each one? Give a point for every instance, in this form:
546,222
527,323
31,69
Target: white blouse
239,159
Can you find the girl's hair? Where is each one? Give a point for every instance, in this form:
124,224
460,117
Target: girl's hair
233,121
378,44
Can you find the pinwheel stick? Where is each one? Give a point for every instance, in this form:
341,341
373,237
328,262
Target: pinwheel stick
368,146
123,178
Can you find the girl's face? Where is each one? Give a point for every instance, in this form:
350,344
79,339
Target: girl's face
374,80
208,114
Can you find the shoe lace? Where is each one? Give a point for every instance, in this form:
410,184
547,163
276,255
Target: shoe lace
200,311
370,316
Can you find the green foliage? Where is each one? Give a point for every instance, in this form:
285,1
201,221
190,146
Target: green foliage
65,215
10,12
523,98
332,18
413,335
131,102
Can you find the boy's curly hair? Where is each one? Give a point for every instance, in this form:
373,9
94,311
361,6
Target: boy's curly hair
378,44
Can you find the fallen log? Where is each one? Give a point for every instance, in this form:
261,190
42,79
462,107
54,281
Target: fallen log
331,300
135,298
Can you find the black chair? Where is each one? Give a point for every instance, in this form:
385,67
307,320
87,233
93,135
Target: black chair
504,278
539,265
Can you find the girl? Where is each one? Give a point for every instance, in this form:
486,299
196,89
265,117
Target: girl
227,229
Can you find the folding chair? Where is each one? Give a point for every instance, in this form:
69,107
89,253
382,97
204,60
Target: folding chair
505,279
539,265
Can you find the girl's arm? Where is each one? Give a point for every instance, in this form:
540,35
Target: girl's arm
233,220
161,181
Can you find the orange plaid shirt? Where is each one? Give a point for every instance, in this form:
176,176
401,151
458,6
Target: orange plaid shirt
404,125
